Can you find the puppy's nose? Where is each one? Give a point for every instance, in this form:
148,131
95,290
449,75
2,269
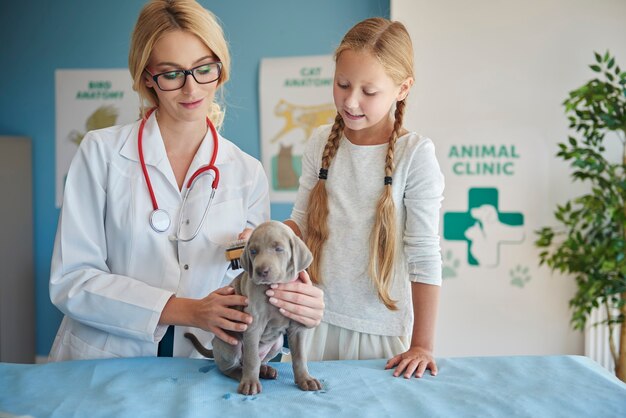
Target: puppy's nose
262,271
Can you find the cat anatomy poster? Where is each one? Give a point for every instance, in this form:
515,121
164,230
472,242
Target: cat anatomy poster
295,97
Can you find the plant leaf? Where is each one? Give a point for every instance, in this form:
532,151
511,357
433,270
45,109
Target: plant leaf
611,63
598,57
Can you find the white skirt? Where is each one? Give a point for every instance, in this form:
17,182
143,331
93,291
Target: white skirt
330,342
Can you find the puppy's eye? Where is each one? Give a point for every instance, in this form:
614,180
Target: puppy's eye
279,249
253,251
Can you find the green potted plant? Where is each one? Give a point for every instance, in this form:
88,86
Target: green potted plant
590,242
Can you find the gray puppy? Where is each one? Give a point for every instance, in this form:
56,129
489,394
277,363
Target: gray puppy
273,254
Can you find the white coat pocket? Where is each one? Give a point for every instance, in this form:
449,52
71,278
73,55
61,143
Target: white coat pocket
225,221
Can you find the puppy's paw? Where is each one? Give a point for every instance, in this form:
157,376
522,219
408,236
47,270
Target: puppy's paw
309,383
249,386
267,372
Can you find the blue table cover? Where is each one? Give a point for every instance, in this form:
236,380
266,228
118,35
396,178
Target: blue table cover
524,386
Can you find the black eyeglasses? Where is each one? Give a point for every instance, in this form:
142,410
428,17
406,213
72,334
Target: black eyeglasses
174,80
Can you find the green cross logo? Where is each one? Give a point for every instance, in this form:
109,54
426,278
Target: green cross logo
483,227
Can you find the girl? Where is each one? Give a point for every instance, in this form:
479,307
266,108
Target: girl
125,266
368,208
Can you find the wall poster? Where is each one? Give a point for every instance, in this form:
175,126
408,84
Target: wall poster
88,100
295,97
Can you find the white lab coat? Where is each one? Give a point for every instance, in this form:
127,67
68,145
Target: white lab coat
111,273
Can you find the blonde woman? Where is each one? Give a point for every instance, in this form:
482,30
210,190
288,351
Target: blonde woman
135,263
368,208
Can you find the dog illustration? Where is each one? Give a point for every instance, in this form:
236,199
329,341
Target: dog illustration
488,233
273,254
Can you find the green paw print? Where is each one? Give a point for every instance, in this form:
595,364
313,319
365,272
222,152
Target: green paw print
519,276
450,265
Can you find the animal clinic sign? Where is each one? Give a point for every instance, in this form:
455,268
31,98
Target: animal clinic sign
490,222
486,159
295,97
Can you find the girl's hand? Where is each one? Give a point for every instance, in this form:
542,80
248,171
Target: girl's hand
413,362
299,300
215,314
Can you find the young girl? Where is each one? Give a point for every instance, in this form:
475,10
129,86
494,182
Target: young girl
134,265
368,208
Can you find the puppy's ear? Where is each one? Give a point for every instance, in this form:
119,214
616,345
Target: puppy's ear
245,259
301,256
492,214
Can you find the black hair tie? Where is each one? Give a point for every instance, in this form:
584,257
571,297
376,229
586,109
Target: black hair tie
387,180
323,174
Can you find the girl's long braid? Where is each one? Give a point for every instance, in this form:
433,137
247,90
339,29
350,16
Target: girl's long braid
383,238
317,212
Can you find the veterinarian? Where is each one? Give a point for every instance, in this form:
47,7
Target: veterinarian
376,252
136,263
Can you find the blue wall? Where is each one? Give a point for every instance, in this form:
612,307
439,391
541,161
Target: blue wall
40,36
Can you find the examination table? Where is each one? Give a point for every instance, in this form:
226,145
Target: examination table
517,386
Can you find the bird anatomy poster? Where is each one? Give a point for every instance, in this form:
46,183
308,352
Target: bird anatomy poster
87,100
295,97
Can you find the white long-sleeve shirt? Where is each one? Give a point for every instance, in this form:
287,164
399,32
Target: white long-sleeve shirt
354,185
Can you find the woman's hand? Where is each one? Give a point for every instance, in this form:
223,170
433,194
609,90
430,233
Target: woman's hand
215,314
299,300
245,234
413,362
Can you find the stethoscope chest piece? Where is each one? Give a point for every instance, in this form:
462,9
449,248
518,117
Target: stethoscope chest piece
160,220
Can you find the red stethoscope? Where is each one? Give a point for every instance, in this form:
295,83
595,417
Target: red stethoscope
159,218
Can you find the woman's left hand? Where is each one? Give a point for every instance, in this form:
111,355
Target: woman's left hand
299,300
413,362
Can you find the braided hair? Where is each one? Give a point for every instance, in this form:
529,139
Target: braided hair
390,43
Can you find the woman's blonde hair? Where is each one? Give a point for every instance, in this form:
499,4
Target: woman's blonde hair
390,43
159,17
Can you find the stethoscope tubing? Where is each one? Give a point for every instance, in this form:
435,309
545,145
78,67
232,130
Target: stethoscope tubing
162,214
155,205
177,237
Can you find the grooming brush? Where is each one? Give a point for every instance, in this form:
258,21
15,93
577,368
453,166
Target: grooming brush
234,251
